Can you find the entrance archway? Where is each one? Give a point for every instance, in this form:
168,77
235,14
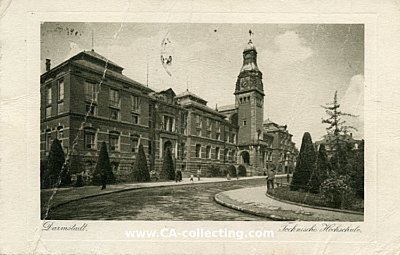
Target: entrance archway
167,145
245,157
241,170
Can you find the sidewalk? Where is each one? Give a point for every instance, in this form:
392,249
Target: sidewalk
254,201
66,195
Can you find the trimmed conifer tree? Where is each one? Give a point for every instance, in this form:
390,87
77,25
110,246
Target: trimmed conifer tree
103,172
168,169
140,170
56,170
320,173
305,165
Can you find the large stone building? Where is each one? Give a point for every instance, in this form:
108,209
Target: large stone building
87,100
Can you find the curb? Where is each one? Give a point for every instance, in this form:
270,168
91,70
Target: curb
314,207
220,201
127,189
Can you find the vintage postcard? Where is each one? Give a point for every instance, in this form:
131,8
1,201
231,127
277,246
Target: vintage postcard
168,131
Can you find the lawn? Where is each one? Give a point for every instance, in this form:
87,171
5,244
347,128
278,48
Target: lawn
285,193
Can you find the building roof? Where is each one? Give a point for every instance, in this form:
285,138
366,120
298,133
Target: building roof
109,73
226,107
191,95
85,59
96,55
201,107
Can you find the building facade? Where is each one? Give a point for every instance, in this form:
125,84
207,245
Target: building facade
87,100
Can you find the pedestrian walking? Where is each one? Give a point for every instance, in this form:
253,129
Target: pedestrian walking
271,178
198,174
191,177
228,176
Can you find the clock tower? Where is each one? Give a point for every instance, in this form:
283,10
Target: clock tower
249,98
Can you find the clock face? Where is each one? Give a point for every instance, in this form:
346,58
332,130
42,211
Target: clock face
244,83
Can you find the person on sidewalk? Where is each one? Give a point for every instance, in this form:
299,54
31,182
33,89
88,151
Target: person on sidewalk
191,178
271,178
198,174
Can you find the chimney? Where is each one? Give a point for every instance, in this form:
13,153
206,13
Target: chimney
48,64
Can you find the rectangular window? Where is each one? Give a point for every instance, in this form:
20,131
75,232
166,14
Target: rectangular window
198,151
183,123
114,114
114,142
90,109
91,91
217,130
198,132
198,122
60,95
114,98
169,123
135,119
134,143
48,96
48,111
90,139
208,152
60,107
183,150
48,140
217,153
135,101
209,123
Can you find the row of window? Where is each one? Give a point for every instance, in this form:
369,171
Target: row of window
60,98
228,155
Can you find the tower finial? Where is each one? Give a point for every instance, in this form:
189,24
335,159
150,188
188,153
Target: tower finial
250,35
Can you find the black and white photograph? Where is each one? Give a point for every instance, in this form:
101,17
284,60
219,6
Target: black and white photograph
202,121
199,127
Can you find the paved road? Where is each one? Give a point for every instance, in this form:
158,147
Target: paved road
188,202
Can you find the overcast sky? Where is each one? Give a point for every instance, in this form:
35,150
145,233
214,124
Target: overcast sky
302,65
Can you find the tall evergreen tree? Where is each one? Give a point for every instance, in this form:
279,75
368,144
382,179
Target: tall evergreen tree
337,129
103,172
56,170
305,165
140,170
323,167
168,169
321,170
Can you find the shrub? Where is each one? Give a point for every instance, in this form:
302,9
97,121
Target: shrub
232,170
79,181
56,170
305,165
337,191
168,169
140,170
214,171
103,173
